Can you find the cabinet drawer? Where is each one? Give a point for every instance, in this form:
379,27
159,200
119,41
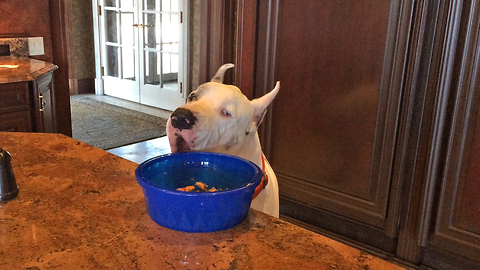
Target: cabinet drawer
14,97
16,121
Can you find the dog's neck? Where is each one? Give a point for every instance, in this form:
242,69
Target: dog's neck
250,149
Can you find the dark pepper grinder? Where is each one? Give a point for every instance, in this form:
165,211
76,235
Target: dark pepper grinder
8,185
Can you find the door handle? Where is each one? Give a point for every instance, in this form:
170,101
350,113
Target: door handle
138,25
42,102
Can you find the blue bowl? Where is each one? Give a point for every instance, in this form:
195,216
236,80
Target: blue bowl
236,178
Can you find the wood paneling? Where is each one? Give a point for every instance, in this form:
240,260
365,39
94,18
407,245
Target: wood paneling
455,231
246,38
217,25
332,132
44,104
16,121
374,145
14,97
58,26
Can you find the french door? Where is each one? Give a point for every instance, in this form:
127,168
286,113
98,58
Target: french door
142,49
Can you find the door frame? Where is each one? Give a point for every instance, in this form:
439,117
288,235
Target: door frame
96,10
185,58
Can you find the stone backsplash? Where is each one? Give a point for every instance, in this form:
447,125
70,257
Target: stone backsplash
18,46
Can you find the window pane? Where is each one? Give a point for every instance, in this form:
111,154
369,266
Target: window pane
170,28
166,5
152,68
111,3
128,66
126,4
170,5
111,26
174,5
152,39
170,63
150,5
127,29
112,61
170,71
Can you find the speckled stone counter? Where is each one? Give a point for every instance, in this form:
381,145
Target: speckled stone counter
80,207
22,69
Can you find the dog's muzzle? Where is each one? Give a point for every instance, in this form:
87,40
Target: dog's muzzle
182,118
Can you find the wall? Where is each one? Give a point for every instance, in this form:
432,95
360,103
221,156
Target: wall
81,49
194,57
31,18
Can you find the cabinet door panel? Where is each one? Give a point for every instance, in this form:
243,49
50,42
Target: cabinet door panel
457,227
16,122
44,104
331,134
14,97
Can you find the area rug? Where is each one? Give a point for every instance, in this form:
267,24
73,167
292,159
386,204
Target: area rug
108,126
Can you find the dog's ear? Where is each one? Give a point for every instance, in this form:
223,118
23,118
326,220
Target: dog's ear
260,107
221,72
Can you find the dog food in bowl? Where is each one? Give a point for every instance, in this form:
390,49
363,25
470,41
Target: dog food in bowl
198,187
234,177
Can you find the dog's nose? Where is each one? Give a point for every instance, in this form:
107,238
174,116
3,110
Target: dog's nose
182,118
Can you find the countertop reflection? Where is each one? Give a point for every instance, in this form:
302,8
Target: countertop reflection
22,69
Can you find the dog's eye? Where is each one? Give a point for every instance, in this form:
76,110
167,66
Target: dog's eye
192,97
226,113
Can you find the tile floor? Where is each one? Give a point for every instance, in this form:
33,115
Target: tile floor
139,152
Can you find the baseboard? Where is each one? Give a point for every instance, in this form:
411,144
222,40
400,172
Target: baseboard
331,222
82,86
437,258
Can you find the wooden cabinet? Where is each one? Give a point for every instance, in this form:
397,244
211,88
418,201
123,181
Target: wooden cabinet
15,112
453,238
44,104
375,133
332,132
28,105
15,121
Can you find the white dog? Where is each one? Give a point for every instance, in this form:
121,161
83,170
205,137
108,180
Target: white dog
219,118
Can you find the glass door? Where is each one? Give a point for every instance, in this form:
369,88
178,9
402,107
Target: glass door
160,72
142,45
120,49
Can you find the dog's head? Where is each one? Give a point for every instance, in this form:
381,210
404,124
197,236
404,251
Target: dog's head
216,117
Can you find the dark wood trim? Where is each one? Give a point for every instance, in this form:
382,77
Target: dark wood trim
414,102
69,40
60,58
246,41
425,103
321,221
82,86
265,64
217,41
229,38
13,35
440,259
462,62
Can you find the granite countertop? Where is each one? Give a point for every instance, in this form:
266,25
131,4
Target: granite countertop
22,69
80,207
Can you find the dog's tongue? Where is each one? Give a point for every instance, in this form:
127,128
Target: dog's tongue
180,145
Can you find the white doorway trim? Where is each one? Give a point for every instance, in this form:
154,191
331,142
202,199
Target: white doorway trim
184,53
